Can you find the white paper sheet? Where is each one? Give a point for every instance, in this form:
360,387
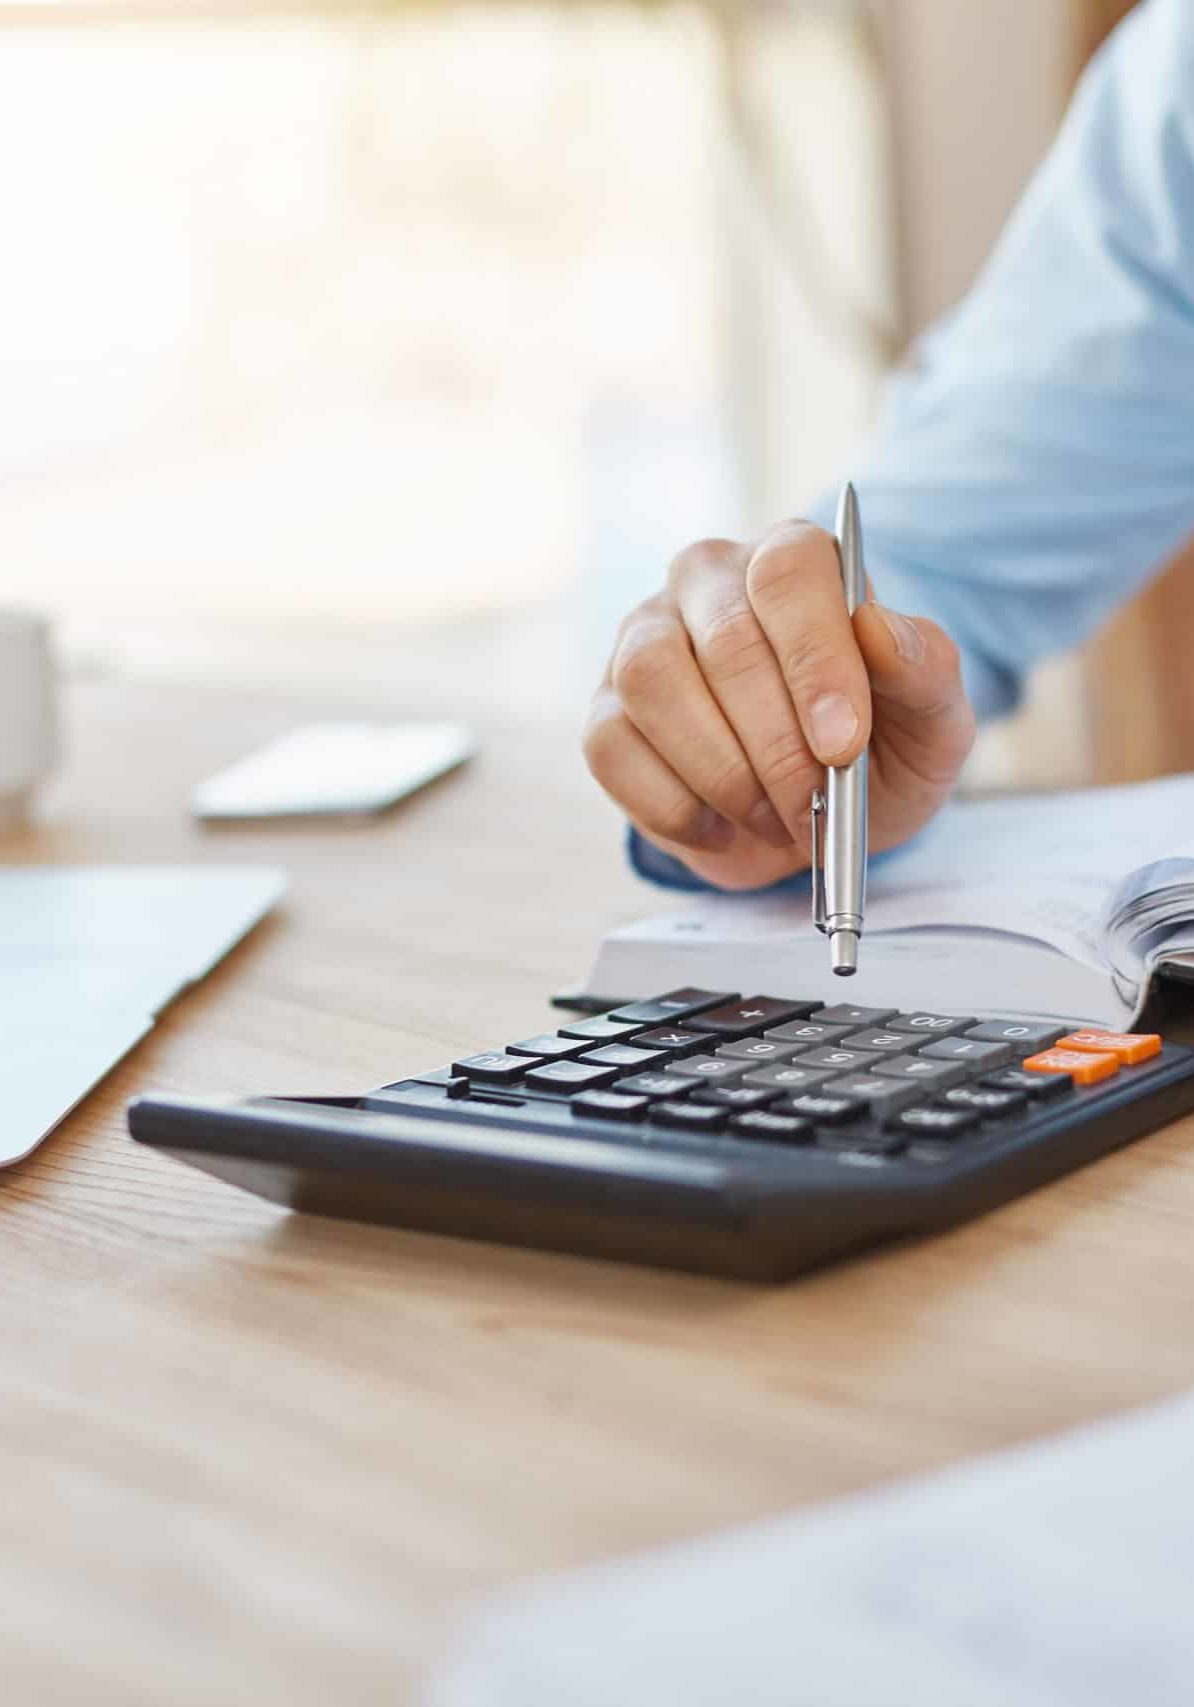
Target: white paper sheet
1059,1576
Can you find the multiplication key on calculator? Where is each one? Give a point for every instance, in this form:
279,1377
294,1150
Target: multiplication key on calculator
756,1136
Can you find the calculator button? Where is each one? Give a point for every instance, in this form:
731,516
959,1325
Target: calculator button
619,1055
971,1052
889,1042
1023,1034
760,1050
932,1075
707,1068
1083,1068
548,1046
882,1096
609,1105
929,1025
675,1041
494,1066
1128,1047
838,1060
844,1014
648,1085
988,1104
1037,1087
790,1077
937,1122
693,1117
676,1004
808,1031
738,1019
600,1030
775,1128
740,1097
568,1076
824,1108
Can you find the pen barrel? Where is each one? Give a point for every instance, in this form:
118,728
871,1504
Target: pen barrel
845,845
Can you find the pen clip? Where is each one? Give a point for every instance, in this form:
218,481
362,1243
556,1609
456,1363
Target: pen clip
818,858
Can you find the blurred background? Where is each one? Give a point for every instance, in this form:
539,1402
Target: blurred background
338,326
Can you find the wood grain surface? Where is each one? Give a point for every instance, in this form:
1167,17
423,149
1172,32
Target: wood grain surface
250,1457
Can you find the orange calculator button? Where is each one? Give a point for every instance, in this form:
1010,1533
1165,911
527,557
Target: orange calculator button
1127,1047
1083,1067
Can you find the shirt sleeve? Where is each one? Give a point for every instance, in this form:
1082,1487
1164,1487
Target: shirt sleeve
1034,463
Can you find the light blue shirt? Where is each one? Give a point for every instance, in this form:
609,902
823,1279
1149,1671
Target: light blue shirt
1034,464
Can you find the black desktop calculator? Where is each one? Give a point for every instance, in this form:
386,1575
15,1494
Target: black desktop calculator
754,1136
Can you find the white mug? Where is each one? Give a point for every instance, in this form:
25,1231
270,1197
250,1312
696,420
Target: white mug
28,711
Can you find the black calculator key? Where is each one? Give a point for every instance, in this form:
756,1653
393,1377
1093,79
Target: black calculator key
494,1066
986,1103
825,1108
708,1069
739,1019
789,1076
688,1116
929,1075
843,1014
759,1050
773,1128
838,1060
808,1032
1037,1087
566,1076
741,1097
1025,1035
609,1105
937,1122
649,1085
880,1042
602,1029
922,1024
548,1046
676,1005
883,1096
672,1040
622,1055
972,1052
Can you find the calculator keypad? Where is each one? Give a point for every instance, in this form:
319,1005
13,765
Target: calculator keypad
857,1083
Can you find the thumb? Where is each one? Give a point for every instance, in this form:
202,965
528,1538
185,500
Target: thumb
921,708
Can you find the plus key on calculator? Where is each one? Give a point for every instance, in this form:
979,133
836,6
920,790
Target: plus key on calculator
752,1135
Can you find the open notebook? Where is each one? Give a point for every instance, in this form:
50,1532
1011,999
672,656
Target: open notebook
1064,905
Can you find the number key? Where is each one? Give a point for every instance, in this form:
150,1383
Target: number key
889,1042
759,1050
706,1068
1024,1034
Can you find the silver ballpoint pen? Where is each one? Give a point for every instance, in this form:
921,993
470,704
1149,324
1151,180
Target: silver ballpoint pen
839,849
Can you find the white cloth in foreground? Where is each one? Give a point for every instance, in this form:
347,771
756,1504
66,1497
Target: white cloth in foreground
1060,1575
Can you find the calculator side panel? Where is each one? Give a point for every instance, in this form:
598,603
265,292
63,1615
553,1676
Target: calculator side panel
443,1176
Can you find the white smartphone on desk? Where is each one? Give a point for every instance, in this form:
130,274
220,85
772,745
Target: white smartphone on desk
333,770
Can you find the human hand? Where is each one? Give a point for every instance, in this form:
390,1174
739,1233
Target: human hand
728,692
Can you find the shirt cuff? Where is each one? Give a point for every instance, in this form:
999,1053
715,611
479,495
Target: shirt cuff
670,873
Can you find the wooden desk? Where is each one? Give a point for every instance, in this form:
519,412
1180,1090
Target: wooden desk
255,1458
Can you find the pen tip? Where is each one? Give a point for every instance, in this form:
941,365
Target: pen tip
843,953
